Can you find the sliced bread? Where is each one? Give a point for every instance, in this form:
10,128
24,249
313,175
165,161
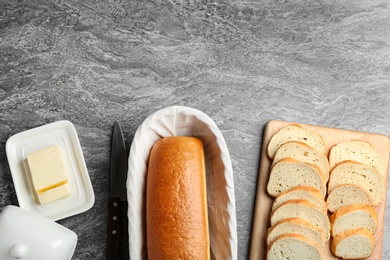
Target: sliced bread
362,175
301,192
348,194
296,226
353,244
304,153
357,150
293,246
289,173
352,217
295,132
305,210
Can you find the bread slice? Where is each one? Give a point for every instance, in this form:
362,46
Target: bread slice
353,244
357,150
296,226
289,173
304,153
305,210
362,175
293,246
301,192
295,132
352,217
348,194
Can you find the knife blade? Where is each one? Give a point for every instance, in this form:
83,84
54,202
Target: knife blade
118,194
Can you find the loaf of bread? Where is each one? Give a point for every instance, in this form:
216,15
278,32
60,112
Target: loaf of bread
359,151
293,246
348,194
368,177
289,173
302,152
305,210
176,202
352,217
295,132
296,226
353,244
301,192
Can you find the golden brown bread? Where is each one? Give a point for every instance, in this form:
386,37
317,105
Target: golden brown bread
176,202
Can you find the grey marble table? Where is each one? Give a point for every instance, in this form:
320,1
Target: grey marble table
242,63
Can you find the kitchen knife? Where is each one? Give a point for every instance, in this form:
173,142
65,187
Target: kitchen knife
116,209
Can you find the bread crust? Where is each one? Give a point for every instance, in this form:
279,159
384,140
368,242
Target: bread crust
301,192
302,152
338,198
357,150
304,135
302,209
316,234
281,181
346,211
365,176
301,248
342,237
176,202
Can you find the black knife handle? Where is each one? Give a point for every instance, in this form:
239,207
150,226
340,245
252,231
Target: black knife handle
114,229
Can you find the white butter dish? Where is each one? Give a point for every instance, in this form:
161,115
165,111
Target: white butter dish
29,236
63,134
184,121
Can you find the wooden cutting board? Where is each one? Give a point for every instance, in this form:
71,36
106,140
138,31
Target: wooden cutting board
264,201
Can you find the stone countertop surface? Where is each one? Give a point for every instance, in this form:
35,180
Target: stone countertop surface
242,63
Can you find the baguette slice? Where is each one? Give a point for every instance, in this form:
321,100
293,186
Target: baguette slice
301,192
353,244
293,246
304,153
296,226
289,173
362,175
305,210
348,194
352,217
295,132
359,151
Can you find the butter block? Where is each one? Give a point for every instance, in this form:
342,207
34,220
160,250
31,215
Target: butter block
53,194
47,174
